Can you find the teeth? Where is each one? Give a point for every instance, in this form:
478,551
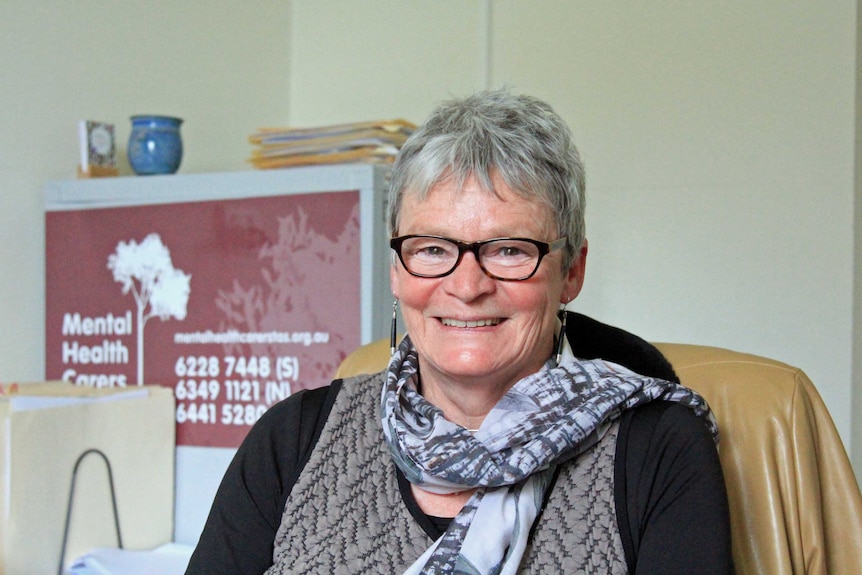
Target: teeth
477,323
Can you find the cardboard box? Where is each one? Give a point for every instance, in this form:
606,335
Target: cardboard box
44,429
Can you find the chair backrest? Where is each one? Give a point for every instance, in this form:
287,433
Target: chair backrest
795,505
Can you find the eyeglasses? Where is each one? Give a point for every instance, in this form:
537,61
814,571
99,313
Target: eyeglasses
508,259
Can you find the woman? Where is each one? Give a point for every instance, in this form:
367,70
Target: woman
487,446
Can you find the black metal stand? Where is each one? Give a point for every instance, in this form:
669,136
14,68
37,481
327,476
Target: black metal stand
72,499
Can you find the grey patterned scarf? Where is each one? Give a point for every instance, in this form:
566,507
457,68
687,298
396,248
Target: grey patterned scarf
544,420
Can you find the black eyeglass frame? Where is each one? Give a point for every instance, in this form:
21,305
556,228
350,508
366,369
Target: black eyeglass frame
544,249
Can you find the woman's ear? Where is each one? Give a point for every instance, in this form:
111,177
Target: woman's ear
574,279
393,280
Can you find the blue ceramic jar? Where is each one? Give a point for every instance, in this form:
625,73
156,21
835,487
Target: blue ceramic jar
155,145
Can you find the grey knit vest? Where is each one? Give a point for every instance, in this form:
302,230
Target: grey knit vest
345,514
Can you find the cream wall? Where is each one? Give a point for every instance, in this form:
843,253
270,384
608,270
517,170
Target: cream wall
857,284
719,138
221,65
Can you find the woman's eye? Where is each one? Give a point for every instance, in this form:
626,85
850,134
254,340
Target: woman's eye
507,251
510,251
430,251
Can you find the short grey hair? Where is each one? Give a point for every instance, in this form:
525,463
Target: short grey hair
517,138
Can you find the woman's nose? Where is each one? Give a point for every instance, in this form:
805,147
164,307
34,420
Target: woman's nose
469,281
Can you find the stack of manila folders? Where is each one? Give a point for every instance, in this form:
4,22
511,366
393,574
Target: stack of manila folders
359,142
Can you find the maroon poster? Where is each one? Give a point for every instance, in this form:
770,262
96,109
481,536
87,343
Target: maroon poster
234,304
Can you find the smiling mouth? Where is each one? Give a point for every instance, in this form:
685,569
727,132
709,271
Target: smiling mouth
477,323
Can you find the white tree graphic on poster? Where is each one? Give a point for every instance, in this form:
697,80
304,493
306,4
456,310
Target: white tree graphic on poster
146,270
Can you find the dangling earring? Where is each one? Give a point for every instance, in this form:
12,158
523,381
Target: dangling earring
562,334
393,329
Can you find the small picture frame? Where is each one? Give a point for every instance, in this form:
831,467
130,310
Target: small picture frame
98,149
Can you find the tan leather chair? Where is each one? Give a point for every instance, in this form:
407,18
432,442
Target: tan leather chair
794,502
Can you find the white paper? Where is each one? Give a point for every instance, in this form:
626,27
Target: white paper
169,559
